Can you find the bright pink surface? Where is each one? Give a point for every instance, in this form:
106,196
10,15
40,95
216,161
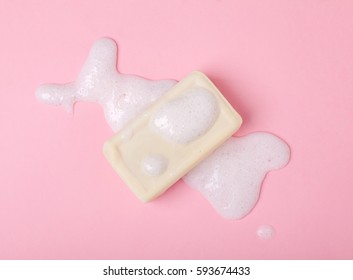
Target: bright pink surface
286,66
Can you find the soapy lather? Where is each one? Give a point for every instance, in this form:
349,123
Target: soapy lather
230,180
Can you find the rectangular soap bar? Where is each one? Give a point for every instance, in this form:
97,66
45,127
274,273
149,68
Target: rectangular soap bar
172,136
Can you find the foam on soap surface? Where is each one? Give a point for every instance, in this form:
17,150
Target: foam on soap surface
154,165
188,117
122,97
231,177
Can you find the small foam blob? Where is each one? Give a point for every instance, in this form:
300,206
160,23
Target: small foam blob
265,232
122,97
188,117
154,165
231,177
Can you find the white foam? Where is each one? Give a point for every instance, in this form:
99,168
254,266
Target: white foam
122,97
154,165
188,117
265,232
231,177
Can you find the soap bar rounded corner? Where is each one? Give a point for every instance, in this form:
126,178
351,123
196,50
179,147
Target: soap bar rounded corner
107,150
198,73
239,121
149,197
143,198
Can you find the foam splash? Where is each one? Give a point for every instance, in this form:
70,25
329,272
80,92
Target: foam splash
230,179
122,96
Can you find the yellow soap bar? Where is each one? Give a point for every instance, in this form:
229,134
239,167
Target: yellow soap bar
172,136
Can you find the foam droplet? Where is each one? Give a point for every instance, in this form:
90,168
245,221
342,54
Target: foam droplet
231,177
265,232
154,165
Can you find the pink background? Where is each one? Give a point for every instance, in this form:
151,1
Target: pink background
286,66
